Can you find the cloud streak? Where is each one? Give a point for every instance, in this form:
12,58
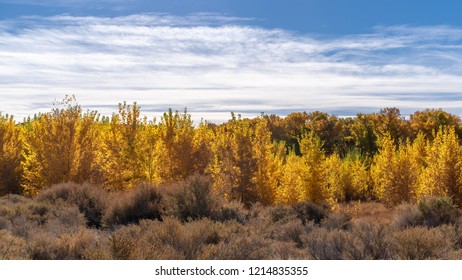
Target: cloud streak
213,64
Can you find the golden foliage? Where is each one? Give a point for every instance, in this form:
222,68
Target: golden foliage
271,160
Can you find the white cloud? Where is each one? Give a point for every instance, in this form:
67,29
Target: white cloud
214,64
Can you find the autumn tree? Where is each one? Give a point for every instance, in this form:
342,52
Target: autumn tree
443,175
60,146
329,129
291,189
388,121
11,148
123,148
269,158
429,122
347,179
234,164
313,173
203,154
176,147
362,132
294,126
394,172
304,177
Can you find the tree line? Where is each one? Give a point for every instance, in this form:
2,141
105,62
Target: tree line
268,159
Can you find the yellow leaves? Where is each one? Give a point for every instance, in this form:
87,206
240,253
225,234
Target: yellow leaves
305,177
395,172
290,191
269,159
347,179
443,174
60,147
11,147
244,159
123,148
176,157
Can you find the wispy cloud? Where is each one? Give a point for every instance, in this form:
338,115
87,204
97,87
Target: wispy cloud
214,64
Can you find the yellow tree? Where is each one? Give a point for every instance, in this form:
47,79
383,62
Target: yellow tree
203,154
394,174
60,146
443,175
149,136
234,163
291,189
313,173
123,148
269,158
222,167
11,148
176,147
347,179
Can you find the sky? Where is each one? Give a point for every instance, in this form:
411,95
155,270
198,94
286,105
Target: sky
214,57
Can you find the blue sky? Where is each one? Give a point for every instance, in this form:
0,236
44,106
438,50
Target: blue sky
218,56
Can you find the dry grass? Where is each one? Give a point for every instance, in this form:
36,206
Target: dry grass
368,211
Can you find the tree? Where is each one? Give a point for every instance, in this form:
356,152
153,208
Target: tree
176,147
329,129
394,173
390,122
124,148
291,189
269,158
11,148
347,178
60,146
429,121
443,175
234,165
362,132
313,173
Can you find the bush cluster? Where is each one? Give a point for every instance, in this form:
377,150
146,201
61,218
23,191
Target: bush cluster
189,221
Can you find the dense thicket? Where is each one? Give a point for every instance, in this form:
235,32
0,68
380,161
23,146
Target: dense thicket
269,159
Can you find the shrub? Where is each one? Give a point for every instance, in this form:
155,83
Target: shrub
291,232
90,199
421,243
124,243
195,199
310,211
337,220
11,247
438,211
80,245
408,215
23,216
242,247
144,202
232,210
322,244
374,239
282,213
169,239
